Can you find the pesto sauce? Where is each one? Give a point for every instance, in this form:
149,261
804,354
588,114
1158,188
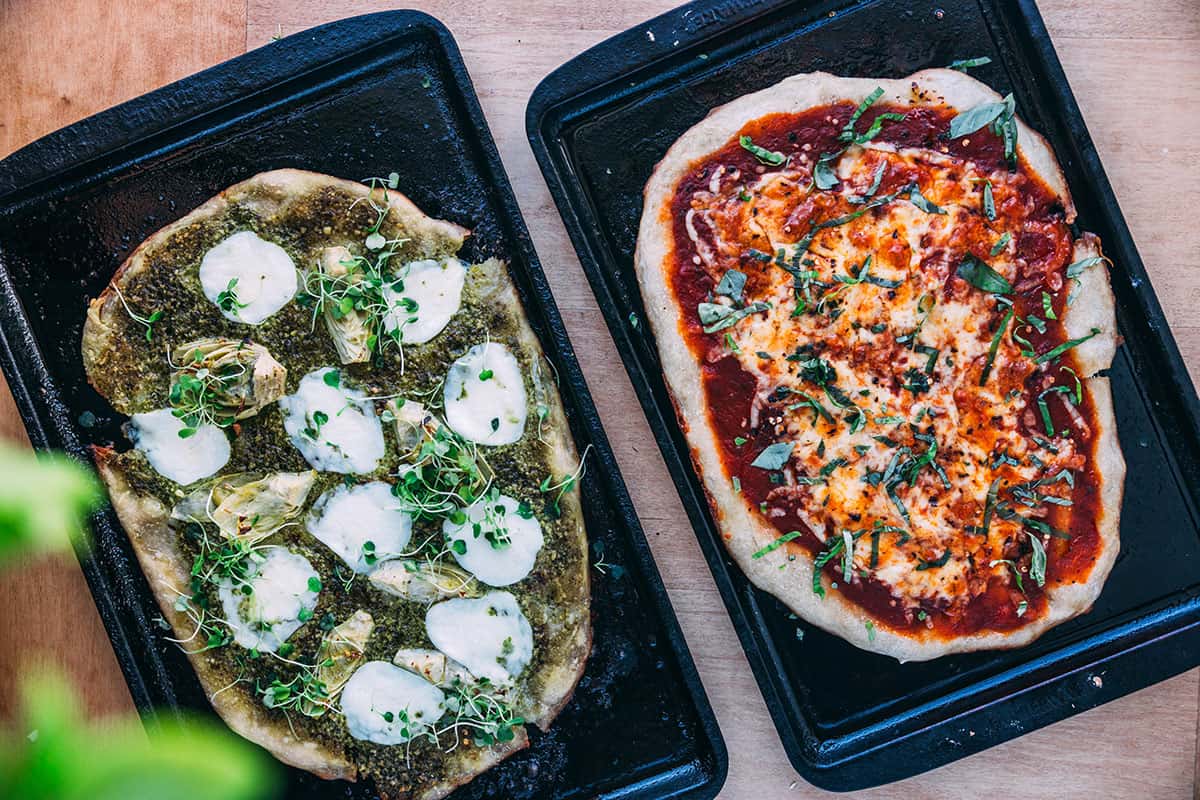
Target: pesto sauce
259,444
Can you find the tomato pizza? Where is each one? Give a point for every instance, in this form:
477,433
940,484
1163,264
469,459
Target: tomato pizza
886,341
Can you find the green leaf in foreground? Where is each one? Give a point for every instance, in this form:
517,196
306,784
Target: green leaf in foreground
44,501
64,758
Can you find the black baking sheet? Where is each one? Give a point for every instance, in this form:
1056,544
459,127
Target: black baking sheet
361,97
850,719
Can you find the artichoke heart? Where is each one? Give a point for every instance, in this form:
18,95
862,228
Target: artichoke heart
348,326
219,380
415,424
433,665
247,507
424,581
341,652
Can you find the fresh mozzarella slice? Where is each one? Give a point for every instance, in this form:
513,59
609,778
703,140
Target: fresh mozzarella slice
484,394
283,593
180,459
431,295
362,524
489,636
388,705
264,273
500,541
334,427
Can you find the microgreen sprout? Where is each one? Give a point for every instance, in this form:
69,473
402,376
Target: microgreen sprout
227,299
147,322
563,485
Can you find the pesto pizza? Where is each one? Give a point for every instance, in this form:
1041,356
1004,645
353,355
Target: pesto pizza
350,480
886,342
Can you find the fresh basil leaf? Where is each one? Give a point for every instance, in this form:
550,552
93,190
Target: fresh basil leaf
964,64
1001,243
716,317
859,199
975,118
1037,564
991,356
983,277
940,561
768,157
989,202
774,456
824,176
868,101
1064,347
775,545
1074,270
731,284
876,126
920,201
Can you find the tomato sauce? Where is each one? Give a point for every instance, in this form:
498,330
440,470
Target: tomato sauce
1045,248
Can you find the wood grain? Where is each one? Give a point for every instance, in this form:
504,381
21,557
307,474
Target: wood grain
61,61
1127,63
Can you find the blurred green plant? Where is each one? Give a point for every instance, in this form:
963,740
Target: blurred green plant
53,753
44,501
59,756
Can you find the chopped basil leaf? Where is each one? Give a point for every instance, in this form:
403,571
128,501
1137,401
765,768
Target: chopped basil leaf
848,131
823,175
1048,306
989,202
1064,347
940,561
764,155
919,200
872,189
1001,243
983,277
975,118
991,357
828,469
1074,270
774,456
775,545
715,317
964,64
1037,564
731,284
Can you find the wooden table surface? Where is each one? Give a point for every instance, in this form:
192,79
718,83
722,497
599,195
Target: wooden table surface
1135,69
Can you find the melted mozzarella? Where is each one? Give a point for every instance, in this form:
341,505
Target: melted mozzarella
265,275
500,544
489,636
183,460
362,524
484,395
388,705
333,427
280,593
431,295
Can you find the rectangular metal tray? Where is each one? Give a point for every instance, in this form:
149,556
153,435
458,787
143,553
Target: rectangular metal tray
361,97
849,719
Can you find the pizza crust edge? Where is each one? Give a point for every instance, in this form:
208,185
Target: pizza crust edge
744,533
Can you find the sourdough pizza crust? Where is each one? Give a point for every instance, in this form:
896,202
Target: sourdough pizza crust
744,530
306,212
